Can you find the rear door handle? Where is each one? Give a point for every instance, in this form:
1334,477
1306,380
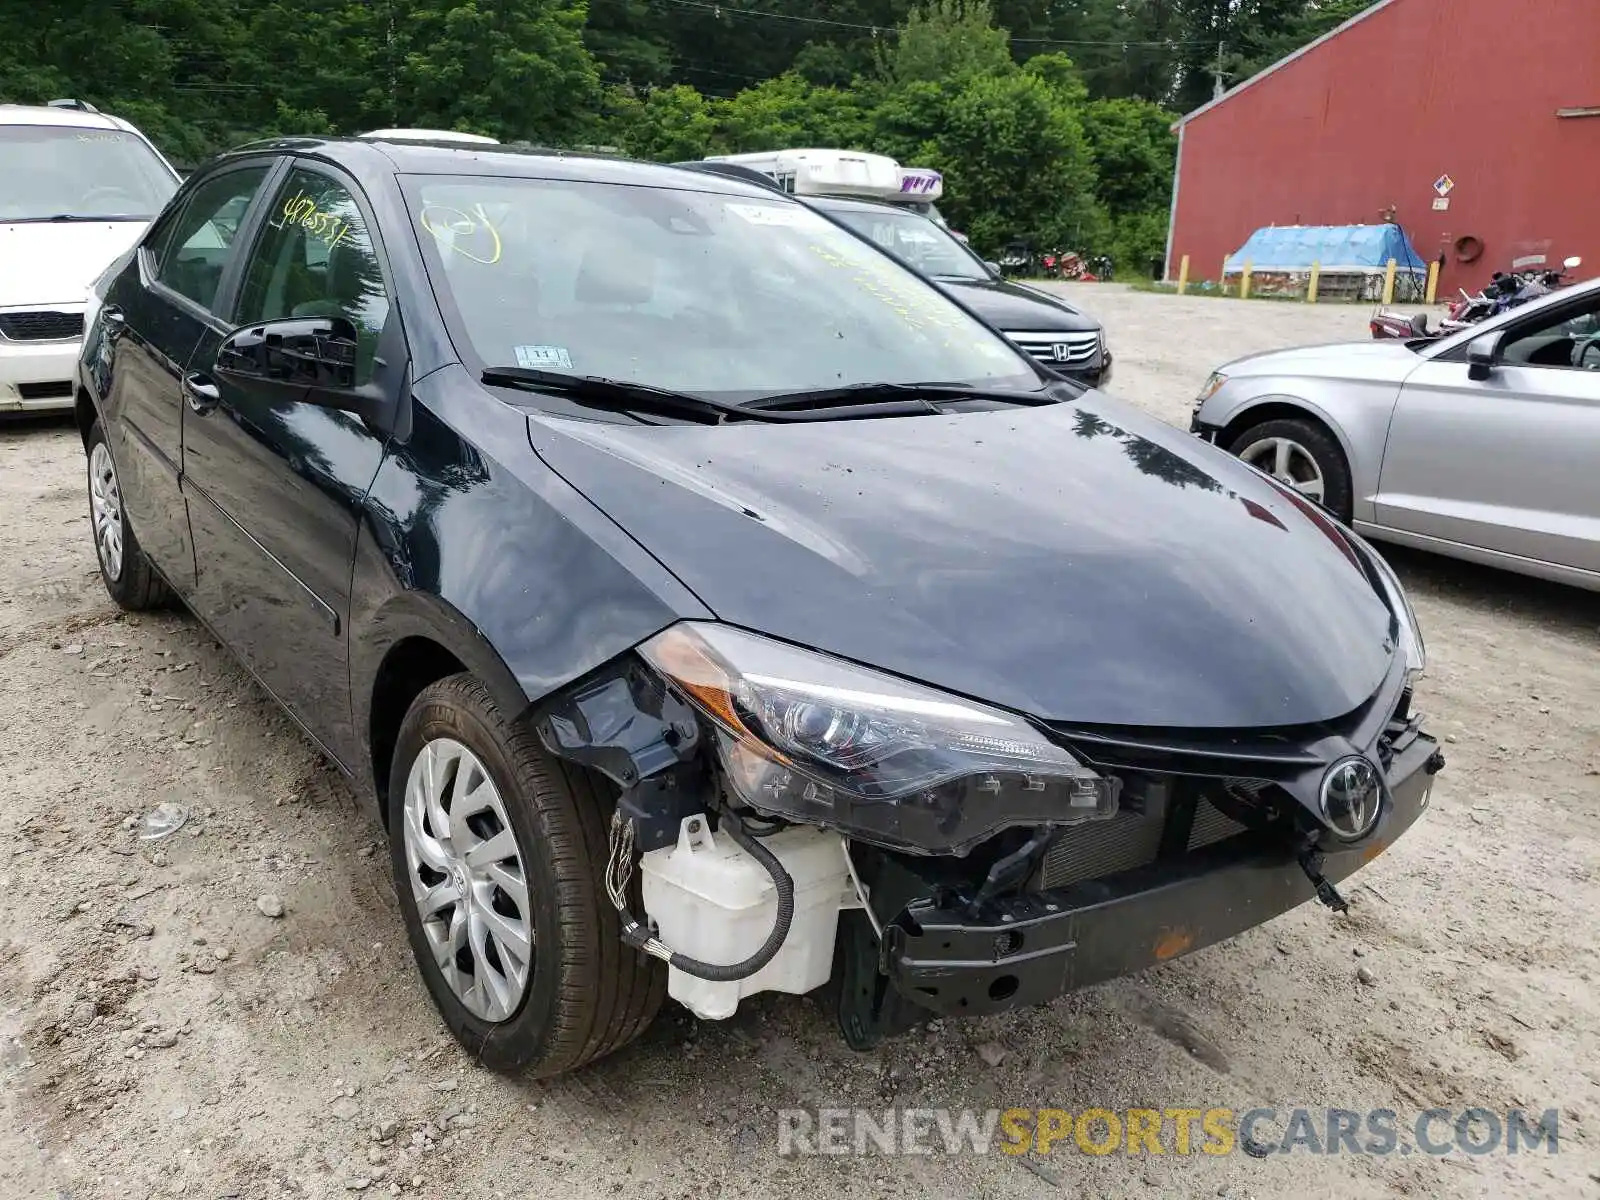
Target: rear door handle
201,393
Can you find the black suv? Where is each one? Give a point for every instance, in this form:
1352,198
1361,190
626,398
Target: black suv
712,607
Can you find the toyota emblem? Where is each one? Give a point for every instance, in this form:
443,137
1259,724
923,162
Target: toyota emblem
1352,797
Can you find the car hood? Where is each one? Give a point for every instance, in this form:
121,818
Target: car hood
1008,305
47,263
1383,358
1079,562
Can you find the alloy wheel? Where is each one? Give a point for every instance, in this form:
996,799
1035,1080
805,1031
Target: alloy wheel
105,501
466,874
1288,461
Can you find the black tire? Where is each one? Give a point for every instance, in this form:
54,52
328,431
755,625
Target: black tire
135,587
587,993
1319,445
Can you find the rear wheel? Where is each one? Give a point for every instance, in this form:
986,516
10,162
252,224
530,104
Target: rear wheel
499,852
1302,454
129,578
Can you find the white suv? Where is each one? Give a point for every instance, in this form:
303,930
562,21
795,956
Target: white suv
77,188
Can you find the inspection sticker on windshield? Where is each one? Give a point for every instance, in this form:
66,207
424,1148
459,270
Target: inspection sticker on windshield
768,214
535,357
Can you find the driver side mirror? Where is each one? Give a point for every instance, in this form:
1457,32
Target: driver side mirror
1483,355
313,360
302,352
994,267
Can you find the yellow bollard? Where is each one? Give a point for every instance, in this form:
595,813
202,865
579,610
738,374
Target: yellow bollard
1311,284
1244,280
1388,282
1433,280
1183,275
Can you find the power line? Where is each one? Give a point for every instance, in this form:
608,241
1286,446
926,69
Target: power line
713,6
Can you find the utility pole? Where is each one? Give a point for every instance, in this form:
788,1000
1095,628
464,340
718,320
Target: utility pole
1217,87
394,88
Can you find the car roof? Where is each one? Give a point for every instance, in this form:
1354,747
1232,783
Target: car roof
407,156
430,135
42,114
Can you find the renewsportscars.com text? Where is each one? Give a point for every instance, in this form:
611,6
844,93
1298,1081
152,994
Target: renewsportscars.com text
1160,1131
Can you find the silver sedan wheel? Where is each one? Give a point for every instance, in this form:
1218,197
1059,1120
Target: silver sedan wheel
467,877
105,502
1289,461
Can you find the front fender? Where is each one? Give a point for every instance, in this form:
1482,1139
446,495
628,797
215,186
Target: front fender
469,540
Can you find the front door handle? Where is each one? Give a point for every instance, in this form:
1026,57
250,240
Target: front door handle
113,317
201,393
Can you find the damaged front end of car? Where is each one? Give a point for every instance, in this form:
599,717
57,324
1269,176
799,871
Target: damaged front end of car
788,819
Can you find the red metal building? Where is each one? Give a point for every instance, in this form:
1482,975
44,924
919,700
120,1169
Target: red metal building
1496,101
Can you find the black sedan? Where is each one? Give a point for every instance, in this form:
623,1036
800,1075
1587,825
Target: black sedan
712,607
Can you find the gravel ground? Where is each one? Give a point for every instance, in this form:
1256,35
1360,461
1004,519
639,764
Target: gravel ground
233,1012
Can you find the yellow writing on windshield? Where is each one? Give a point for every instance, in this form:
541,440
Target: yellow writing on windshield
917,307
467,232
302,210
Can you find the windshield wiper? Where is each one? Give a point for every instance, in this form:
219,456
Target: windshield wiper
821,404
620,395
911,396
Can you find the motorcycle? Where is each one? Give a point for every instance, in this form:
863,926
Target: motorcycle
1505,290
1016,259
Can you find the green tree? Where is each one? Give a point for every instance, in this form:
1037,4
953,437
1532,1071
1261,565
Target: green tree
1015,160
628,38
514,69
667,124
947,40
787,111
1134,153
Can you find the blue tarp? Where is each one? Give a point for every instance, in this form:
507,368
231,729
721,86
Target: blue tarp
1336,247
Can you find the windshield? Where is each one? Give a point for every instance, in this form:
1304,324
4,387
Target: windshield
925,247
51,172
691,291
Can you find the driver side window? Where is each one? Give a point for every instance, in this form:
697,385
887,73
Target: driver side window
1565,338
314,258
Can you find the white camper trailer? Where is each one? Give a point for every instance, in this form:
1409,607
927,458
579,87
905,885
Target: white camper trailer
849,173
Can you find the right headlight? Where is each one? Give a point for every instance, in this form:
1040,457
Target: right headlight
818,740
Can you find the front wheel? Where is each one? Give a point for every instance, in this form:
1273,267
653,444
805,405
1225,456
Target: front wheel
1302,454
499,852
129,578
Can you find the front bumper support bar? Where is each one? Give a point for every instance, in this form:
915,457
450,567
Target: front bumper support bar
1031,948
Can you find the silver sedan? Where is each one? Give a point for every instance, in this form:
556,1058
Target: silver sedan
1484,445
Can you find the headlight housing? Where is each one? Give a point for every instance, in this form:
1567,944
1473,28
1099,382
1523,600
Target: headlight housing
819,740
1210,388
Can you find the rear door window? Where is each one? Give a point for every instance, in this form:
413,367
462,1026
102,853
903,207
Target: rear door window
193,258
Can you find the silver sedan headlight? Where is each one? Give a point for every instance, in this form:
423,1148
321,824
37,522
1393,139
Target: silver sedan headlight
818,740
1210,388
